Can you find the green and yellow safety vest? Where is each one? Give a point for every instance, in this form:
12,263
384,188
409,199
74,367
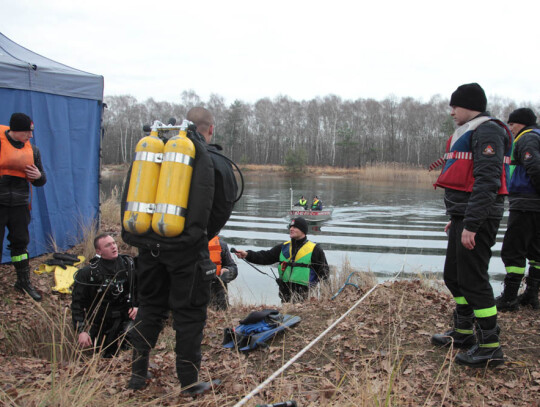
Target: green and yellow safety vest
296,270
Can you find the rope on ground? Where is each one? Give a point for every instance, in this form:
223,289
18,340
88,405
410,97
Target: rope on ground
299,354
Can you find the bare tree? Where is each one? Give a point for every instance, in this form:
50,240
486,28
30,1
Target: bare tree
328,130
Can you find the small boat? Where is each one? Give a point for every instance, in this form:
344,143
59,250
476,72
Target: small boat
311,216
308,214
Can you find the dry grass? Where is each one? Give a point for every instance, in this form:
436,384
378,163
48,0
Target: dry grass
110,208
389,172
347,275
379,355
73,378
383,172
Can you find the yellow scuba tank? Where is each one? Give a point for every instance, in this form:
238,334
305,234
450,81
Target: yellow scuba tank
174,183
143,184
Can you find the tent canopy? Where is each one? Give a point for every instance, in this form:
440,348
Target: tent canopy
65,105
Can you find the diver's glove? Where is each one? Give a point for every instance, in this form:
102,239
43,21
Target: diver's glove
56,262
226,275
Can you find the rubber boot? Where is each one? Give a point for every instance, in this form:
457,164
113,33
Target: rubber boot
201,388
188,375
487,352
530,296
139,370
461,335
508,300
23,283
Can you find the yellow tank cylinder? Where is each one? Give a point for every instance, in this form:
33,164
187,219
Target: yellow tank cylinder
173,188
143,185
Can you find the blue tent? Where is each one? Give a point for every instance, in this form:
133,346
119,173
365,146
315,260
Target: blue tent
66,106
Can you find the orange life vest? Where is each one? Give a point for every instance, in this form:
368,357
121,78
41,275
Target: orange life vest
13,161
215,253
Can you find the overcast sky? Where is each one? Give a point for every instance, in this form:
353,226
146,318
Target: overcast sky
252,49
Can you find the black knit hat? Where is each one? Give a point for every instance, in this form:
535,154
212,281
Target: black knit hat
523,115
299,223
469,96
20,122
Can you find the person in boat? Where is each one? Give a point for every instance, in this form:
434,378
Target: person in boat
521,240
226,271
302,202
302,263
474,181
104,298
316,205
20,169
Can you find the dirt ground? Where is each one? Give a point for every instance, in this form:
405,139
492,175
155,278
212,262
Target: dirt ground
380,354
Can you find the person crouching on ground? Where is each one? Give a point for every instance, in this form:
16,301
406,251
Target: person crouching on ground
104,298
302,263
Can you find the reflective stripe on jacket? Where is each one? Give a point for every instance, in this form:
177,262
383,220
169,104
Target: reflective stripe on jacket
457,172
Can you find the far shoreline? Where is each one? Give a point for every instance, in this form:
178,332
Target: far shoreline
385,172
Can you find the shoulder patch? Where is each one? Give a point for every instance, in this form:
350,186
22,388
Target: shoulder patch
527,156
488,150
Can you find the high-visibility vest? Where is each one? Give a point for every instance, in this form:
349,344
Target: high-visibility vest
215,253
296,270
13,161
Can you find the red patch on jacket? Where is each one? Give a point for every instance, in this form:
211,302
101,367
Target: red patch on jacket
527,156
488,150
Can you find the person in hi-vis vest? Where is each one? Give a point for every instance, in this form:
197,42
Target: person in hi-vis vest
302,263
20,168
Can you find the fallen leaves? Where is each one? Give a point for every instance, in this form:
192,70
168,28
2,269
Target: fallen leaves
380,350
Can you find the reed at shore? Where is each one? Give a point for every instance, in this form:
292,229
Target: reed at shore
384,172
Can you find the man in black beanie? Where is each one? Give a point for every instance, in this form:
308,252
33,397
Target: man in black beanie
302,263
20,165
474,178
522,237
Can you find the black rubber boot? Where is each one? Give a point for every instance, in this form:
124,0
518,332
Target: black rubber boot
201,388
530,296
23,283
139,370
462,335
508,300
487,352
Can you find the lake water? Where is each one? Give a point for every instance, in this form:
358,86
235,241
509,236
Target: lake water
386,229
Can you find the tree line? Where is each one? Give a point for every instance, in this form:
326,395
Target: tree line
324,131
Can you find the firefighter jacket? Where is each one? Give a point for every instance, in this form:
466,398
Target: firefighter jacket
525,171
475,173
